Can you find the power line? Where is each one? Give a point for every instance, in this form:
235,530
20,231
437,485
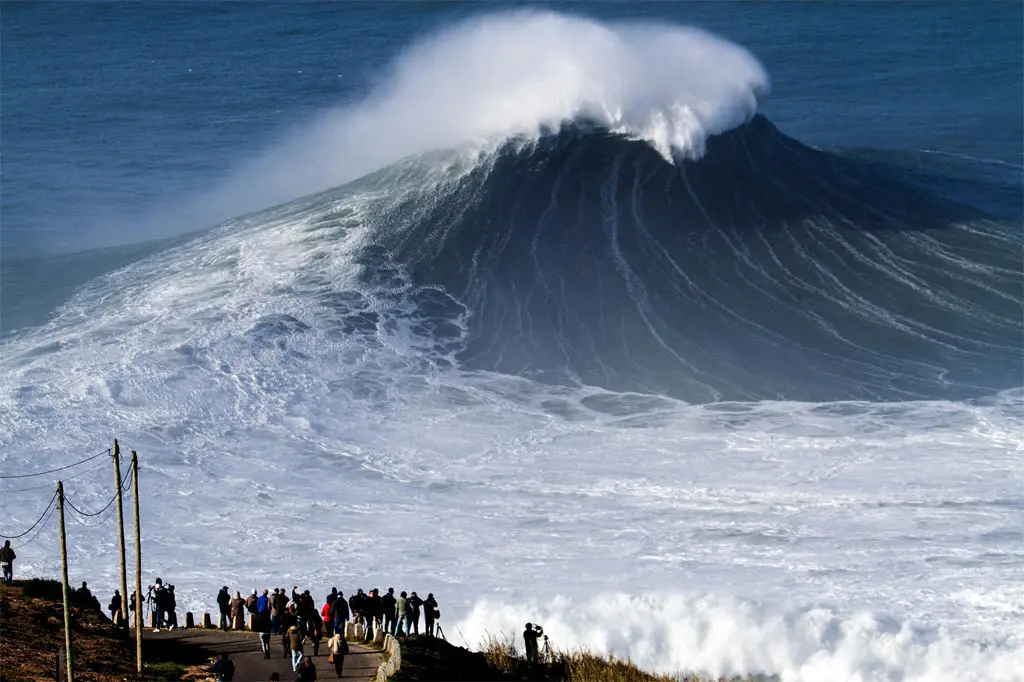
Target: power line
50,485
105,508
98,523
52,471
41,528
15,537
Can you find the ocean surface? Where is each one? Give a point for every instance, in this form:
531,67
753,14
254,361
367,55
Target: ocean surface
691,331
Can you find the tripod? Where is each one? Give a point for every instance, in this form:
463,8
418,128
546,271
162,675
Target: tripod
438,632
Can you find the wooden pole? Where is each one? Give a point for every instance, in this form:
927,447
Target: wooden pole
138,567
120,535
64,578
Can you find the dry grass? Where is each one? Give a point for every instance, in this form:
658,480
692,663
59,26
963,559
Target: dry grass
582,665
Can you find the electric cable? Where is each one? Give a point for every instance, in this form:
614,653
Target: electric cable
51,471
20,535
50,485
90,514
52,510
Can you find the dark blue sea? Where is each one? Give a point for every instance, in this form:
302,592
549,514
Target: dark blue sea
692,330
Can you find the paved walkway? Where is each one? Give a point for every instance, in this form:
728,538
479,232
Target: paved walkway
250,666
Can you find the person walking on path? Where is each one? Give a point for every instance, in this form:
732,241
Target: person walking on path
430,613
316,632
223,603
295,644
262,626
171,607
7,557
339,614
339,649
238,612
224,668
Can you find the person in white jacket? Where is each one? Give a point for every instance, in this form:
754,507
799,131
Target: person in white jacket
338,648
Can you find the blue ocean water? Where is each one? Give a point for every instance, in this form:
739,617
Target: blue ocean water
734,321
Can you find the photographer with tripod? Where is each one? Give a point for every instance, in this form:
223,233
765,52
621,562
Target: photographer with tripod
530,636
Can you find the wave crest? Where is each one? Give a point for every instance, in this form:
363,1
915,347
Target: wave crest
516,74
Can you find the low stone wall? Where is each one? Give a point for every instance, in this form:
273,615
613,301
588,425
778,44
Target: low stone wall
393,654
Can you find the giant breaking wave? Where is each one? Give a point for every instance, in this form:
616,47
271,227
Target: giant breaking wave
596,208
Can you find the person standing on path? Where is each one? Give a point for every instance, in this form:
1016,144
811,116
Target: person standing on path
402,609
295,644
115,604
429,611
7,557
278,605
389,603
223,603
325,618
414,604
238,612
339,649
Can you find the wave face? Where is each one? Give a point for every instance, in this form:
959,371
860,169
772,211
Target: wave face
764,270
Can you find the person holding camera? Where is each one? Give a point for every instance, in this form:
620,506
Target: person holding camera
430,613
530,636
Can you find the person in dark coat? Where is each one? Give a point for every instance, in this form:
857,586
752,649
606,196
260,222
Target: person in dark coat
316,633
224,604
115,604
7,557
414,607
355,605
389,603
224,668
307,670
170,608
278,607
429,609
339,613
261,625
373,611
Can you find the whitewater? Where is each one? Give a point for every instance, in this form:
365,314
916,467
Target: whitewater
570,335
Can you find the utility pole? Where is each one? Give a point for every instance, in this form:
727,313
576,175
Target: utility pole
64,577
138,568
120,536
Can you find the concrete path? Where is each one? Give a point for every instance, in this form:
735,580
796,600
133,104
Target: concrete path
250,666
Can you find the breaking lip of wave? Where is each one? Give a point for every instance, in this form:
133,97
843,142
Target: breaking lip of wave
511,74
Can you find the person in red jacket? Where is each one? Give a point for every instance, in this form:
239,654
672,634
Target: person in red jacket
325,614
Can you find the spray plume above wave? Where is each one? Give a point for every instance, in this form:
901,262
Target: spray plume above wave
516,75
